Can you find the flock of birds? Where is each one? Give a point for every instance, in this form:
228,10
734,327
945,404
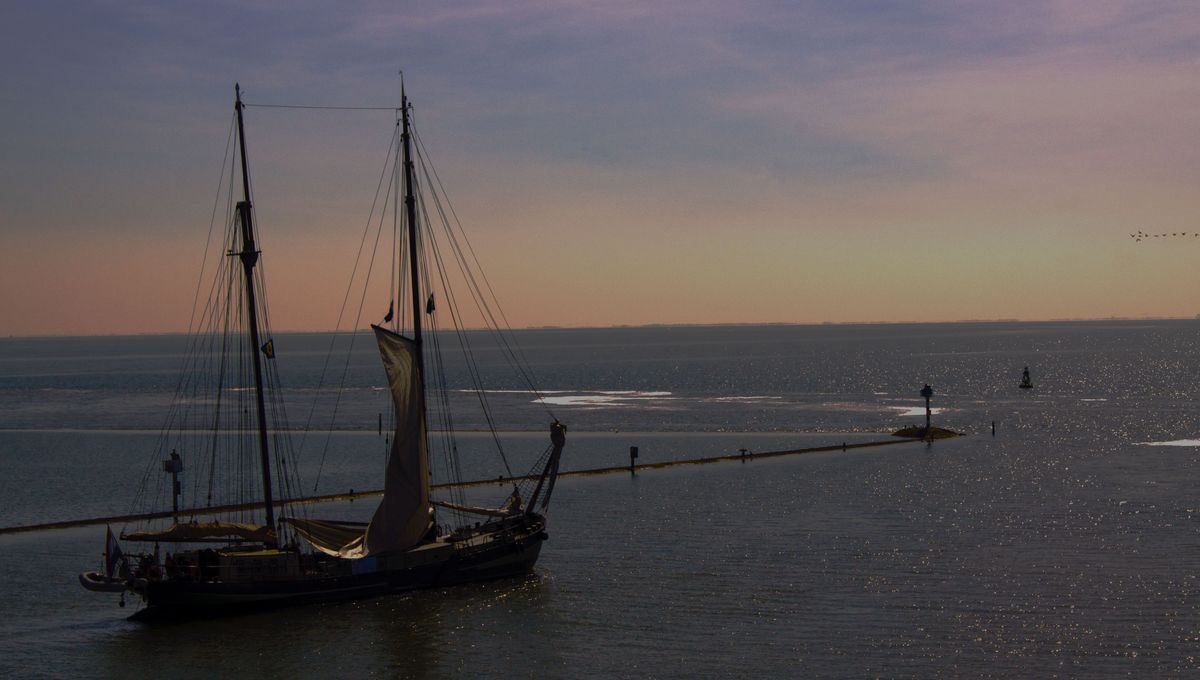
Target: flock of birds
1143,235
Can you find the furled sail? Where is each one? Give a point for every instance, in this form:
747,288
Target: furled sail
327,536
511,507
204,531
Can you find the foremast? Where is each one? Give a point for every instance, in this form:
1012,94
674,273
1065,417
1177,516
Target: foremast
249,258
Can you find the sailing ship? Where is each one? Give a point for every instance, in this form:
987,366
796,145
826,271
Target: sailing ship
267,552
1026,381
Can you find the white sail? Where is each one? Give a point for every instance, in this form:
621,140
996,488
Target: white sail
404,516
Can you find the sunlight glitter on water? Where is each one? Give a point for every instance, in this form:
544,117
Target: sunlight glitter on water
1056,546
605,398
906,411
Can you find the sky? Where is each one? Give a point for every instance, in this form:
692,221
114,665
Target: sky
615,162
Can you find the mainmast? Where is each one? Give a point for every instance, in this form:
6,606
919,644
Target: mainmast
410,211
249,257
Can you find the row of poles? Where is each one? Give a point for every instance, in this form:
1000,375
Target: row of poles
926,392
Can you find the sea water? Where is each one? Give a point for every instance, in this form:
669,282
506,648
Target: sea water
1063,545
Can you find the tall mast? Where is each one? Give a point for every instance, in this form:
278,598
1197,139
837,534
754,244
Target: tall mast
410,211
249,257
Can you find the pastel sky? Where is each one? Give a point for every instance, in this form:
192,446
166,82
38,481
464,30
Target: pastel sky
616,162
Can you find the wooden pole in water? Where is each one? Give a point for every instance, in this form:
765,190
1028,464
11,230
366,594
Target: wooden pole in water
927,392
633,454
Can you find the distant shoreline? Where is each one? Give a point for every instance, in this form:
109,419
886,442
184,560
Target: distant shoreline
764,324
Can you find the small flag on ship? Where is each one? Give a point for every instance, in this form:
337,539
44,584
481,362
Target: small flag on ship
112,554
269,349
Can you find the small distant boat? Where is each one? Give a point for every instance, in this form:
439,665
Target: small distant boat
1026,381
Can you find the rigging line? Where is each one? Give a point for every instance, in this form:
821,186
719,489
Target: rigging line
518,356
193,340
354,273
346,298
225,358
220,396
252,486
212,220
449,439
444,413
321,108
528,484
357,318
227,247
285,453
201,373
223,328
393,274
280,435
464,342
281,432
519,361
246,359
428,240
402,284
271,386
210,351
465,270
468,354
402,281
234,483
172,416
178,419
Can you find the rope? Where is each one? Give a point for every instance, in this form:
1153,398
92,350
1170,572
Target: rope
358,316
519,362
324,108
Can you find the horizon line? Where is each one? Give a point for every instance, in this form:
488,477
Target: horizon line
36,336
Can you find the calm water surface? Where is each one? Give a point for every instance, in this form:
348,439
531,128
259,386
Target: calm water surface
1065,546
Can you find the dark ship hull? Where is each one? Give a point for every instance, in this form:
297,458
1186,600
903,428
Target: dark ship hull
248,581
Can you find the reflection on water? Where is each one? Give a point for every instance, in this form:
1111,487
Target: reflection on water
412,635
